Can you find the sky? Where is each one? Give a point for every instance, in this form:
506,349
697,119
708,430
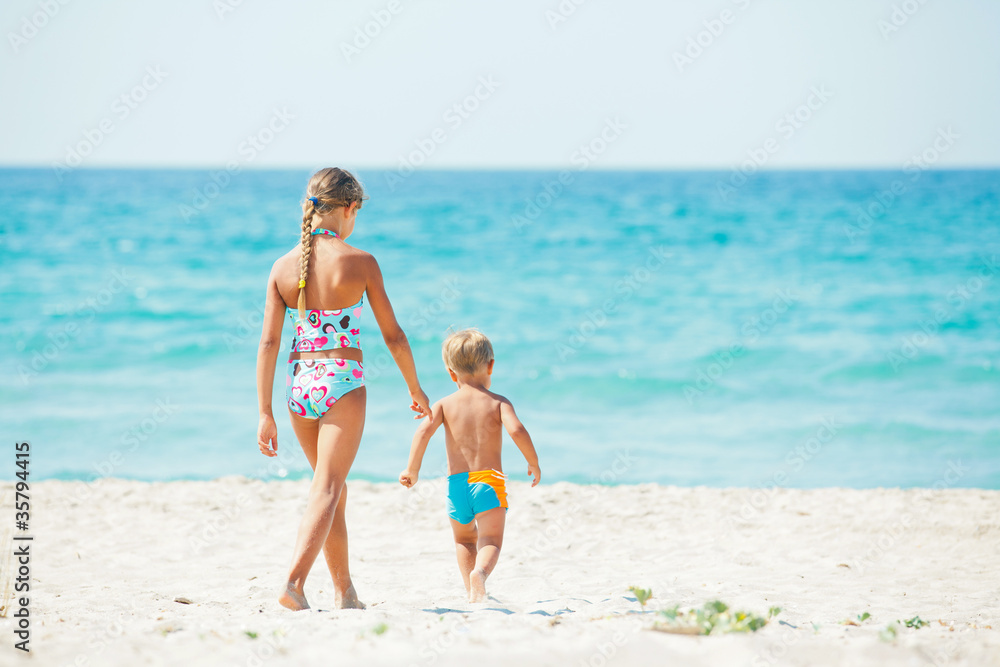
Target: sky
541,84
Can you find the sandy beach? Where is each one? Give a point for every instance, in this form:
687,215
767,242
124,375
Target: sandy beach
116,562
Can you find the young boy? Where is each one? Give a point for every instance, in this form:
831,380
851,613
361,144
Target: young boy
472,418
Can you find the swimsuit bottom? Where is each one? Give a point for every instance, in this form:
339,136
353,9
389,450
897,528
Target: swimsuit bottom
312,386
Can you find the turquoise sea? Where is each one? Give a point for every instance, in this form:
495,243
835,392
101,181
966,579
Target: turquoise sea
795,328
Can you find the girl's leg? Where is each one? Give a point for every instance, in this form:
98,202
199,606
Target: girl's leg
465,548
334,439
335,547
335,551
490,525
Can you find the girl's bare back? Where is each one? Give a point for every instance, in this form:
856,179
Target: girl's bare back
338,275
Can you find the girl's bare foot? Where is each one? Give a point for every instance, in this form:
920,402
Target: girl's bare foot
349,599
293,599
477,586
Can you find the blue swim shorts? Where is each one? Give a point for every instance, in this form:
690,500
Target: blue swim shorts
471,493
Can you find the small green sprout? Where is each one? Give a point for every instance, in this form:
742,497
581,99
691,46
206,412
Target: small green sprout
861,619
641,594
380,629
888,633
916,622
250,633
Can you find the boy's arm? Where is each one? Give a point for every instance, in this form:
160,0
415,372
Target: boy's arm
520,436
420,439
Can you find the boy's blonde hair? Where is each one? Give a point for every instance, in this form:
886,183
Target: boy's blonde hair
467,352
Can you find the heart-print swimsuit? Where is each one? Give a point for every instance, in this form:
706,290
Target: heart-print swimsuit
312,386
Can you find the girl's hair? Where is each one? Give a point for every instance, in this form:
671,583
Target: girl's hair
328,189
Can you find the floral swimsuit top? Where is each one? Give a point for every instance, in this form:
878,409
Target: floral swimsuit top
327,329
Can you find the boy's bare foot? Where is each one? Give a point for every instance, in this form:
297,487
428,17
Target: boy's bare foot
349,599
293,599
477,586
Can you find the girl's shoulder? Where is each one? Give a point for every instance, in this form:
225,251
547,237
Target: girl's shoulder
288,260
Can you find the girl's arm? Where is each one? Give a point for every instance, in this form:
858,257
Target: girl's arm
520,436
420,439
267,356
395,339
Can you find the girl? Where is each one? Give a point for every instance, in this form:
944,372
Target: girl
325,388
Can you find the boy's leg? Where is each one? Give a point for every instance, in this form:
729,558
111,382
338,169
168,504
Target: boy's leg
491,524
465,547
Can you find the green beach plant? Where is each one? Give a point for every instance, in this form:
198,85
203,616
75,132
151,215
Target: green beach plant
714,617
861,619
643,595
889,632
916,622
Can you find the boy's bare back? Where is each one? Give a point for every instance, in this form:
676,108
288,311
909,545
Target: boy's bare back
474,417
473,429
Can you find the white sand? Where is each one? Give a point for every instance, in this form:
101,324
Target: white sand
110,558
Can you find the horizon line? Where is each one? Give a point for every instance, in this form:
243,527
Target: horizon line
496,168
